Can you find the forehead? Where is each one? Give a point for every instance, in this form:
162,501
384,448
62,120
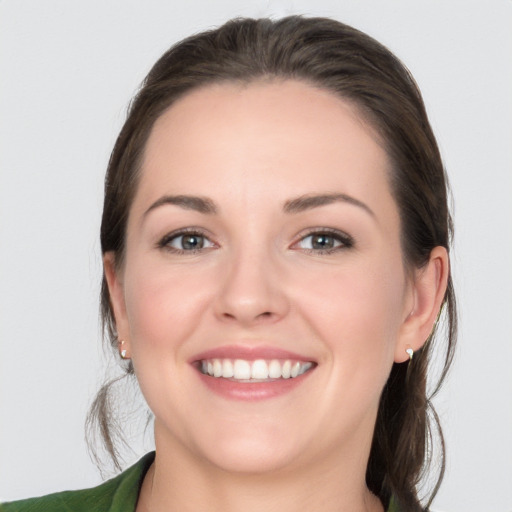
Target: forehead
279,135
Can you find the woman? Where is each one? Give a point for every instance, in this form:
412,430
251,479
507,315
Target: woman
275,237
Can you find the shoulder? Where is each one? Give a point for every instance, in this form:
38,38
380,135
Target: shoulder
396,506
393,505
96,499
115,495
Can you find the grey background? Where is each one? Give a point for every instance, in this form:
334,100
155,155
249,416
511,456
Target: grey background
67,72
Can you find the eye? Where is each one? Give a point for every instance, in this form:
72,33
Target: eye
182,242
325,241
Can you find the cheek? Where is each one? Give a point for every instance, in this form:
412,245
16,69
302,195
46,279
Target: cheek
358,312
163,305
355,314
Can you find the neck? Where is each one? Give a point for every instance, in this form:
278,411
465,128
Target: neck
178,483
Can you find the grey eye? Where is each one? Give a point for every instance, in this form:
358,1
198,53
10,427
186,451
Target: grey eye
320,241
188,242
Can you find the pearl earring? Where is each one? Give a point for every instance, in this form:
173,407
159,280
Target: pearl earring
123,350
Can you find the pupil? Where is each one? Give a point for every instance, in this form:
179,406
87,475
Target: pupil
322,242
192,242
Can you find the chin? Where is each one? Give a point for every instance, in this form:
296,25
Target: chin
256,450
250,458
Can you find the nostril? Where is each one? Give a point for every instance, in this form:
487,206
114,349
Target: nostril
266,315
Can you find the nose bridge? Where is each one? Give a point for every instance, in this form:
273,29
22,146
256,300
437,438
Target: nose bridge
251,289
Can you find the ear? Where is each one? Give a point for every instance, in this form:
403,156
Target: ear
116,292
428,290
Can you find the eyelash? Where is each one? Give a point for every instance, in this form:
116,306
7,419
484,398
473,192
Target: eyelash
164,243
344,240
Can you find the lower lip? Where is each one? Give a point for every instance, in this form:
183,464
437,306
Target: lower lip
252,391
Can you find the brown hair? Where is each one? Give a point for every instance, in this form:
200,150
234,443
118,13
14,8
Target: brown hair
354,66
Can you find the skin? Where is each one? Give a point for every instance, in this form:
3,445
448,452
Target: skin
258,280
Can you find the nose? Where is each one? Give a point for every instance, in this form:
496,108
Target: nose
252,290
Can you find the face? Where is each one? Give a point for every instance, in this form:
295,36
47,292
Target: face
262,296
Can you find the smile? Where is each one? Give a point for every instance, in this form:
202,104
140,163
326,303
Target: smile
259,370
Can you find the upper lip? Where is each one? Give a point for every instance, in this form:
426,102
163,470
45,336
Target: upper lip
249,353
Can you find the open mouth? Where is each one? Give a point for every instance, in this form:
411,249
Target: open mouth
259,370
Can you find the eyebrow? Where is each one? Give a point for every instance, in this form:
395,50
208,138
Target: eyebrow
308,202
199,204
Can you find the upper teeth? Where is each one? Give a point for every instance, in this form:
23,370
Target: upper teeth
260,369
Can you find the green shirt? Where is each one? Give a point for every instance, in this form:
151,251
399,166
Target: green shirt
119,494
